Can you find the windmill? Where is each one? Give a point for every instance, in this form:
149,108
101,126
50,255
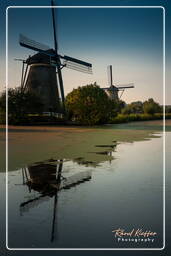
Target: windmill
47,179
113,90
43,72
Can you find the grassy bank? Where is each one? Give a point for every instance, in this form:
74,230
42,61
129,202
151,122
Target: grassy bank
123,118
52,120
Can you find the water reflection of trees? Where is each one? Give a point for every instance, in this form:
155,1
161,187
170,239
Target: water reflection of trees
47,179
103,149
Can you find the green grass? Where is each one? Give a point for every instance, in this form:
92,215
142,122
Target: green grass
124,118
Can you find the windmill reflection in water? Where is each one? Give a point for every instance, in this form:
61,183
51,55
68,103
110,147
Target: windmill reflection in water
46,178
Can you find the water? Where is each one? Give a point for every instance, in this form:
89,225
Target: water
90,201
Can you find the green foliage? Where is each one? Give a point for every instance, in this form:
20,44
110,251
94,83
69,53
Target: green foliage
124,118
133,108
151,107
148,107
89,105
119,106
20,104
168,109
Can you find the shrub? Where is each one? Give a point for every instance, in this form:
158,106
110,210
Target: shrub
20,104
121,118
168,109
151,107
89,105
133,108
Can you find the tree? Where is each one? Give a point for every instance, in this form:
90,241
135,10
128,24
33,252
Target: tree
168,109
119,106
133,108
151,107
89,105
20,104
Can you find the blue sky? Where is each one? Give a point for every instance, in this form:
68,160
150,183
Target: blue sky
129,39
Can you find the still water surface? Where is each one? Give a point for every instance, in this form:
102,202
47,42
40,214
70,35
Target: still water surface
70,203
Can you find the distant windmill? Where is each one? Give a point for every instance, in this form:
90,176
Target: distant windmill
113,90
45,69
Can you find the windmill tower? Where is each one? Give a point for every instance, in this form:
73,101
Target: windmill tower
42,80
113,90
43,74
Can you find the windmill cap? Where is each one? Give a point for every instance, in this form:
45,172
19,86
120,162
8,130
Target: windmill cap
41,57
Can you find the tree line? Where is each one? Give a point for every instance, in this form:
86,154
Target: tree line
86,105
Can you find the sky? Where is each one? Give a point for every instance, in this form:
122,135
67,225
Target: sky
129,39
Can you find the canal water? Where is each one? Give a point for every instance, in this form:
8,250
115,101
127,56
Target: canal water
73,203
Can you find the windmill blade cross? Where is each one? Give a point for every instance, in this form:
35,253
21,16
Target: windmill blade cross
53,60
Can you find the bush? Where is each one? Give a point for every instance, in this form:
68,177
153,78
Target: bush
89,105
168,109
151,107
133,108
20,104
148,107
121,118
2,118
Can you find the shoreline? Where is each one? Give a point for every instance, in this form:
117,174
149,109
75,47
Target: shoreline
79,127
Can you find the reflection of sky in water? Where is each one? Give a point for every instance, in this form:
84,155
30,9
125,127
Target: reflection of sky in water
125,192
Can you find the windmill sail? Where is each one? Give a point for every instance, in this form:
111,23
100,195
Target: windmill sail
125,86
32,44
109,74
54,28
77,64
